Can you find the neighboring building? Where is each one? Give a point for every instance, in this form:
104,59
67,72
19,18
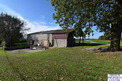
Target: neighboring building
53,38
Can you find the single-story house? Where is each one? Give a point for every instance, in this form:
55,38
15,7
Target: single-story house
52,38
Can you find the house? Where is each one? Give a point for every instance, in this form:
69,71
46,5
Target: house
53,38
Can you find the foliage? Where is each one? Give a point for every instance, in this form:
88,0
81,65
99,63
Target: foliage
21,44
106,36
0,41
105,14
86,14
11,29
79,33
101,37
1,37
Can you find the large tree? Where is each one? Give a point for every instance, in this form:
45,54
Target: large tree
11,29
106,15
79,33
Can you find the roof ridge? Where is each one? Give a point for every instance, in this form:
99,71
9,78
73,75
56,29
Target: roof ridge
52,31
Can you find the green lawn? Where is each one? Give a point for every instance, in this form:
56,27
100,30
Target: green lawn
101,41
97,41
66,64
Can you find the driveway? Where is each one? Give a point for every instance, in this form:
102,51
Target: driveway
21,51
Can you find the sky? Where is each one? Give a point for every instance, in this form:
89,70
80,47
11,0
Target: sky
37,14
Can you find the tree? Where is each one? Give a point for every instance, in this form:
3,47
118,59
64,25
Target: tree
106,36
0,41
11,29
79,33
102,37
105,14
1,38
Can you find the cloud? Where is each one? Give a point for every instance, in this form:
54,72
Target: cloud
34,26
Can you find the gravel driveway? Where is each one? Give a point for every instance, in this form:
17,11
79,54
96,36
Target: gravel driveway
21,51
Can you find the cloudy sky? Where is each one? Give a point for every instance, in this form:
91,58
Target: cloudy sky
37,14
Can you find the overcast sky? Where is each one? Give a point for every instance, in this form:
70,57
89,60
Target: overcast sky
36,13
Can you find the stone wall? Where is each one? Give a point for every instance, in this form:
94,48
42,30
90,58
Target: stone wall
34,39
38,38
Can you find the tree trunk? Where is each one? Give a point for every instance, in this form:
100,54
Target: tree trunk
115,37
82,39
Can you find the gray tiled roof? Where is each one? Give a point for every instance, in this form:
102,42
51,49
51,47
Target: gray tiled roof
53,32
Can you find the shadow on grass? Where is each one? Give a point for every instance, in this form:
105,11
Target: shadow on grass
87,44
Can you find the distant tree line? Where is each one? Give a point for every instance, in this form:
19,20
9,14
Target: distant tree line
106,36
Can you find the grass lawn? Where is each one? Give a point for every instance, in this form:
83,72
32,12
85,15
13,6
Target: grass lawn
101,41
66,64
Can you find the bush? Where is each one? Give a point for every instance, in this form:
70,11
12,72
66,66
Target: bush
19,45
